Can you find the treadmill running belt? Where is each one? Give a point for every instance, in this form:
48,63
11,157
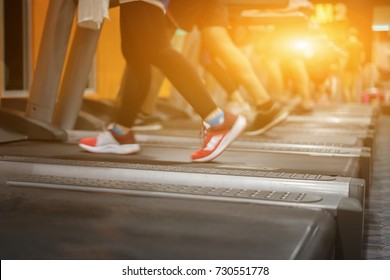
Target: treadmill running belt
42,224
180,156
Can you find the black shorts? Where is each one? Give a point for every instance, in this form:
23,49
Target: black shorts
202,13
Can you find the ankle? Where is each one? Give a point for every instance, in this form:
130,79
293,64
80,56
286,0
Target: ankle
265,106
215,118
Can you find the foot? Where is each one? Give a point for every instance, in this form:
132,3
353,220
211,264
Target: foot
265,120
145,122
242,109
218,138
303,109
111,142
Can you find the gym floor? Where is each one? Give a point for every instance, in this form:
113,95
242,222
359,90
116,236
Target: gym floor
376,239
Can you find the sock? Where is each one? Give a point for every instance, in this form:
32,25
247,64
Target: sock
265,106
215,118
117,130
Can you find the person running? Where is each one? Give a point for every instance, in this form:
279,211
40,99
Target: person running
211,17
354,49
144,43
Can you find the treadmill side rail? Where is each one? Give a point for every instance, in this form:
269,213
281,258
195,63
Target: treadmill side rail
349,229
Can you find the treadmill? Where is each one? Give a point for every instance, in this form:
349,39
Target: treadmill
277,154
255,164
56,168
60,224
273,153
367,136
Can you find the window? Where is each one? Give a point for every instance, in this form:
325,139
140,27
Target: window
16,47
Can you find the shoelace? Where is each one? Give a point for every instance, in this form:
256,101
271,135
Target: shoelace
203,135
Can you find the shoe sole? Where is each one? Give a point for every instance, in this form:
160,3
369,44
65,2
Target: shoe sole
281,117
112,149
238,127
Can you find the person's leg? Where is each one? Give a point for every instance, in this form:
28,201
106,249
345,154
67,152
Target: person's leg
354,87
217,40
276,79
149,33
185,79
235,102
219,72
347,85
268,113
149,106
136,50
155,48
134,89
302,84
222,128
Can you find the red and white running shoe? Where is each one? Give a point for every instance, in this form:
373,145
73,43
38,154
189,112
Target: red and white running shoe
218,138
110,142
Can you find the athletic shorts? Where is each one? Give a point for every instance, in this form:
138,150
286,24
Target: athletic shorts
202,13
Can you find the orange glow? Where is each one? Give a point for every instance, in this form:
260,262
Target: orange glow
304,46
